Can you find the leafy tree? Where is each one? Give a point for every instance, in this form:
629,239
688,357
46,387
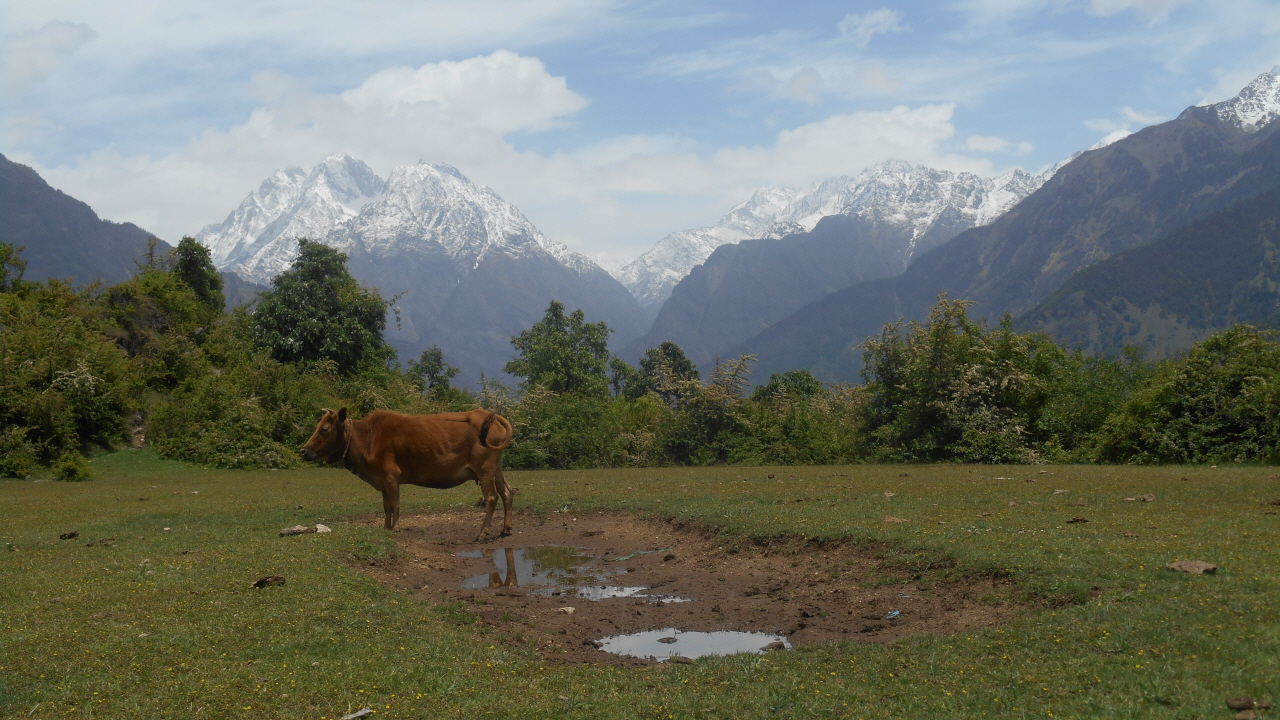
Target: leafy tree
64,386
432,370
316,311
794,384
1221,403
665,364
951,389
193,265
12,266
563,353
624,380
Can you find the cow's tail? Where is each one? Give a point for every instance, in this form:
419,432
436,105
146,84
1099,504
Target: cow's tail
487,425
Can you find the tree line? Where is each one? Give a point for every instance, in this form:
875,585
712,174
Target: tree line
157,361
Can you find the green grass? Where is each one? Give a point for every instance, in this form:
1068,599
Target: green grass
1108,631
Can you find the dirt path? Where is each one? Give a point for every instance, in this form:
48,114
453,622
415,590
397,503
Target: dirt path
682,579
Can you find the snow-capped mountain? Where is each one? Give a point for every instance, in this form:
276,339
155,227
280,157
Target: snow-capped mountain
1255,105
259,238
469,268
891,192
651,276
343,203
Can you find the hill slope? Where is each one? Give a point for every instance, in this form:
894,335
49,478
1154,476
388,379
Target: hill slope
1205,277
63,237
1106,201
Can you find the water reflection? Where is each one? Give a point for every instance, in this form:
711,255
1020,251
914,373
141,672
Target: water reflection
554,570
545,565
661,645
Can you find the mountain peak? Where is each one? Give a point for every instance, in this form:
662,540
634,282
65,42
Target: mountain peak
1256,105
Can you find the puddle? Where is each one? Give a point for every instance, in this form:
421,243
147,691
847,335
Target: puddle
556,571
662,645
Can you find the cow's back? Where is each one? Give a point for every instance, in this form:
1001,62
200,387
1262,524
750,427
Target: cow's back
425,446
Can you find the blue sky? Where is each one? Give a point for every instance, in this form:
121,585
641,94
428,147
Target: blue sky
608,123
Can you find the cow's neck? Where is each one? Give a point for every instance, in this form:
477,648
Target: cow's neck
353,450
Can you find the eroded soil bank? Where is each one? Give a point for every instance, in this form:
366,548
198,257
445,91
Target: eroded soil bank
671,578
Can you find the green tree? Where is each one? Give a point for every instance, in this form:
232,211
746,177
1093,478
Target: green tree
432,370
1220,403
952,389
563,353
12,266
316,311
795,384
663,365
193,265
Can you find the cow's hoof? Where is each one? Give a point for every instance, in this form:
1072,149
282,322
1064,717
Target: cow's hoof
505,533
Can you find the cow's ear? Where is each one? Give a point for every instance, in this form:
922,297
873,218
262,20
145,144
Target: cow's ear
342,415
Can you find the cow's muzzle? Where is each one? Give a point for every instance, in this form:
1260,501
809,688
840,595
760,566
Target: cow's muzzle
308,455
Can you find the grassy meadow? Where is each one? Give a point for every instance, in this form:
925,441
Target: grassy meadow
165,623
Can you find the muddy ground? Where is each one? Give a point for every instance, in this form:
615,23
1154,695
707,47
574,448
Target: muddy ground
808,594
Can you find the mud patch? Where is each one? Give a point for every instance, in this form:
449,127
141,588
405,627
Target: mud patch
623,576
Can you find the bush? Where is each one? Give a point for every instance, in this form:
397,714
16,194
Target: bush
71,467
1221,403
63,383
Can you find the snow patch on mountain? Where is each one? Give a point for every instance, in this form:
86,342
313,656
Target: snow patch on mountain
892,192
1256,105
342,203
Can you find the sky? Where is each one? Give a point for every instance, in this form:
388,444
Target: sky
609,123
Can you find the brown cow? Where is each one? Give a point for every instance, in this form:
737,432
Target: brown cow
389,449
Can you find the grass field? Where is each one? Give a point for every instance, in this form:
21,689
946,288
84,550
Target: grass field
164,623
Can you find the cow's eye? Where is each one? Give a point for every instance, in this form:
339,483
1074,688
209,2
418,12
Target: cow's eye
324,429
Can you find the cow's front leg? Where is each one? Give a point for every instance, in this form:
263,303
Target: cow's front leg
488,488
391,504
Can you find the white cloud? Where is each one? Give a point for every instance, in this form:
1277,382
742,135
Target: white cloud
861,28
615,196
1156,10
990,144
982,143
35,55
805,85
1130,118
502,92
1140,117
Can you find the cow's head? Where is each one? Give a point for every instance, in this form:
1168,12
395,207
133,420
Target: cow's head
330,437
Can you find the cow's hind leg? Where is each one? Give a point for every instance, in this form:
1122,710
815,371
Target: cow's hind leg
508,501
488,488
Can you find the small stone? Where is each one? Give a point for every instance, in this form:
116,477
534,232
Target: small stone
777,645
1013,503
888,493
666,640
563,698
1131,499
1076,520
361,713
1129,534
566,610
269,581
593,644
295,530
69,535
770,476
1246,715
1149,497
323,528
668,557
1240,703
1195,567
1059,492
681,660
892,519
